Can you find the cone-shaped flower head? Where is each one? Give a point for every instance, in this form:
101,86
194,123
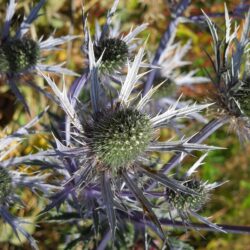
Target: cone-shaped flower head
116,49
185,202
115,54
118,136
19,55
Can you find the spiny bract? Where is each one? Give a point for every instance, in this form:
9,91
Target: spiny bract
5,184
17,55
117,137
183,201
243,97
114,56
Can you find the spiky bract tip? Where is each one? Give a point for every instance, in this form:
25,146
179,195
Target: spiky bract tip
176,244
243,97
184,202
115,54
18,55
5,185
118,137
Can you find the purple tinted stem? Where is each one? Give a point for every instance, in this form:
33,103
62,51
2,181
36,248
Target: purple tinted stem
164,40
139,218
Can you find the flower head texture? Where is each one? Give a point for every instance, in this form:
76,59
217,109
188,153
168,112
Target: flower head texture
111,146
114,48
22,55
19,55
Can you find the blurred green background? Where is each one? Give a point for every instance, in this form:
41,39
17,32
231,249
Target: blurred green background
230,203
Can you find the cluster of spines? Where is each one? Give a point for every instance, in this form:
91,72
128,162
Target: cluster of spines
184,202
115,54
117,137
243,97
5,185
18,55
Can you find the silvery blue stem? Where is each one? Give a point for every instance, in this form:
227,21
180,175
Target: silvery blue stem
105,241
139,218
164,40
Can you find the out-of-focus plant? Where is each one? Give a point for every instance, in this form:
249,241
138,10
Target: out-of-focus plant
20,55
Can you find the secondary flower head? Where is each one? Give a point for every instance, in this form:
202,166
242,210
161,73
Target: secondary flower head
231,82
114,48
184,202
20,55
115,54
112,145
184,205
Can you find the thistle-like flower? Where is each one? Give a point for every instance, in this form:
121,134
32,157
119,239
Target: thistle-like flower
231,79
186,205
109,149
21,55
114,48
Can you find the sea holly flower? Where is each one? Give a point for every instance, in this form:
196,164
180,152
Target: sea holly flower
185,206
231,81
114,48
108,150
21,55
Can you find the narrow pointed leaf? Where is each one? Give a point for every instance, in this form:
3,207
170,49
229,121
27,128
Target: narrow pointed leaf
170,183
142,199
206,221
107,195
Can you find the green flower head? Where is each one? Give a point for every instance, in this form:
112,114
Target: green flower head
184,202
115,54
117,137
17,55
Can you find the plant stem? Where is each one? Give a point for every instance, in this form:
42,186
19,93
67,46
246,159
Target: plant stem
164,41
